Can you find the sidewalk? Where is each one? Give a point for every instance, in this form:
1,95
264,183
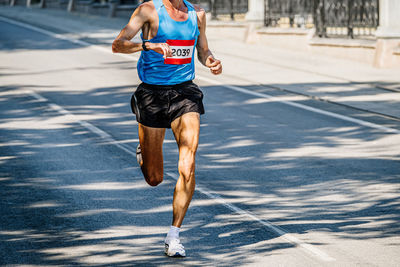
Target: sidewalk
342,81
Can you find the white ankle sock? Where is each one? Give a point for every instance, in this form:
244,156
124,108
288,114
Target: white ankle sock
173,233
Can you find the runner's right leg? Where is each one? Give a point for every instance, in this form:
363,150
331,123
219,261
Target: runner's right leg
151,141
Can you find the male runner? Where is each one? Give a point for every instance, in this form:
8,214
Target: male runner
167,97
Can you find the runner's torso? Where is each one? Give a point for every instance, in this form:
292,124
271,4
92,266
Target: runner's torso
182,38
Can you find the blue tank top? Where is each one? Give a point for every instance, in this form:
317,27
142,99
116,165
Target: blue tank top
182,38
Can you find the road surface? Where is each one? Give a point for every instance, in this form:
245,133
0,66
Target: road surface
283,180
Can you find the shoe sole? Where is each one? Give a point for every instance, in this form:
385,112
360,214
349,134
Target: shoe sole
177,255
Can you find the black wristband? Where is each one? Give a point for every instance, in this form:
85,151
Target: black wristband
144,46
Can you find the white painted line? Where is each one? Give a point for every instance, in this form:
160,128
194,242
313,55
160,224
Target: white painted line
305,107
278,230
109,139
212,81
316,252
104,135
54,35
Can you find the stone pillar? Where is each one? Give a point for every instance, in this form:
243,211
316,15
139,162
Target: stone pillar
388,33
256,11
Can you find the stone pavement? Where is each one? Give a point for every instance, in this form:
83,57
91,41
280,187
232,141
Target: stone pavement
341,81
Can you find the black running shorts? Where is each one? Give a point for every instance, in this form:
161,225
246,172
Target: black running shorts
158,105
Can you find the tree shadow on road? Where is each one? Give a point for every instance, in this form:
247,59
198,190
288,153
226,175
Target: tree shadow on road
69,197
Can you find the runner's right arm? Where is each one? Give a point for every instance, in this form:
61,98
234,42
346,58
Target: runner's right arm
140,18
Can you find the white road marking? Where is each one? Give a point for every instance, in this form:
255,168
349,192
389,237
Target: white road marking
213,81
321,255
104,135
278,230
302,106
108,138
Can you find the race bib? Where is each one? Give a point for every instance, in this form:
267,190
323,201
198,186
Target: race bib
182,52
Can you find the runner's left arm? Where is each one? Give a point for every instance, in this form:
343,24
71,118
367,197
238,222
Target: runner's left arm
204,54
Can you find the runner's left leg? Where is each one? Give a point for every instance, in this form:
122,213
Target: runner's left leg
186,130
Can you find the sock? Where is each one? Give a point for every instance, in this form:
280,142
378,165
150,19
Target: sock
173,233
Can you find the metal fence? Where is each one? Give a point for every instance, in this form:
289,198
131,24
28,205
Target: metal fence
346,17
223,7
329,17
295,11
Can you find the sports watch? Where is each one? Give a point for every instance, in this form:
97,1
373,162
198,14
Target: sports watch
144,46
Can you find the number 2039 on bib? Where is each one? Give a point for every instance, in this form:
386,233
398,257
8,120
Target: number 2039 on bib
182,52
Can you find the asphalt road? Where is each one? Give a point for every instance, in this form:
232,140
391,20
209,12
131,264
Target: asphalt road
279,185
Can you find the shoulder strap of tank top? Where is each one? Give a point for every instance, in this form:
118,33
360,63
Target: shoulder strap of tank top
189,5
191,11
158,4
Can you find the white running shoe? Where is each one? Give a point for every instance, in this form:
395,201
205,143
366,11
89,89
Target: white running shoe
139,155
174,248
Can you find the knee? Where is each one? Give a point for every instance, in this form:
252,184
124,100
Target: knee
153,182
154,179
186,168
